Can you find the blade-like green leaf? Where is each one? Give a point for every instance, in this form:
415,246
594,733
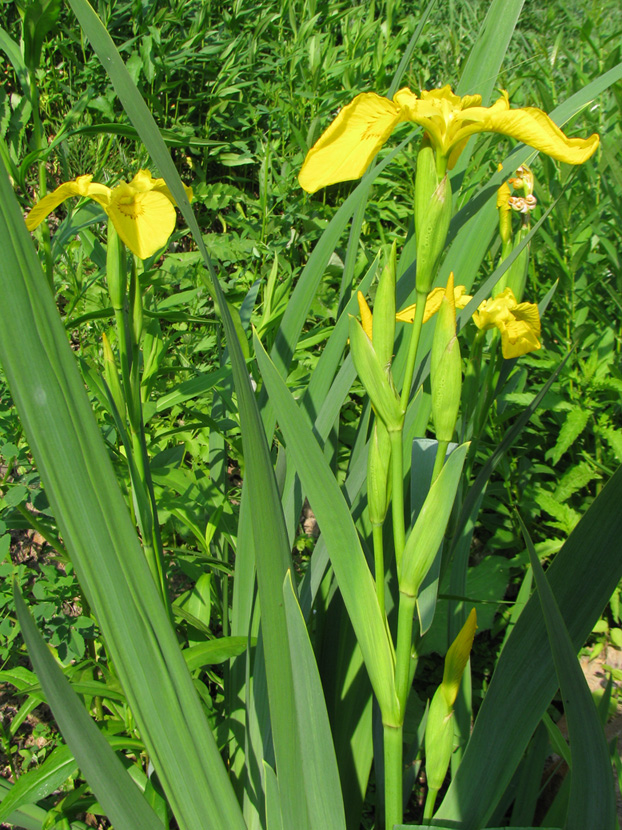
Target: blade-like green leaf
353,575
321,781
119,796
582,577
592,797
271,545
100,537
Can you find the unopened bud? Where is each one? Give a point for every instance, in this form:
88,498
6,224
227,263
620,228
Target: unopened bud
379,473
383,336
375,378
446,368
433,207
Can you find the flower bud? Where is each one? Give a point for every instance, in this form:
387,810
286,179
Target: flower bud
433,207
446,368
375,379
379,473
383,336
136,307
439,732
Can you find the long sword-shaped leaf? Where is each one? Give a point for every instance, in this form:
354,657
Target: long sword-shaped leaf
321,781
99,535
342,542
582,577
123,802
270,538
592,797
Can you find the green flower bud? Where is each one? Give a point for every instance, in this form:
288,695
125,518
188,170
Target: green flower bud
383,335
446,368
433,208
136,307
379,474
439,740
439,732
375,378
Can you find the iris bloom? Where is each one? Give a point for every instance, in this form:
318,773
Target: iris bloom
347,147
141,211
519,323
433,303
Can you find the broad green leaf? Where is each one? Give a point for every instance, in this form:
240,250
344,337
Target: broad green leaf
321,774
582,577
119,796
99,535
592,797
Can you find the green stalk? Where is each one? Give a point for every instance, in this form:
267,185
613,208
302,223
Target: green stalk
413,346
403,651
397,498
130,379
430,801
379,565
393,797
441,452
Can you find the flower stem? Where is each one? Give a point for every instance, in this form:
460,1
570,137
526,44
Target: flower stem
411,360
430,801
441,452
403,651
392,741
397,497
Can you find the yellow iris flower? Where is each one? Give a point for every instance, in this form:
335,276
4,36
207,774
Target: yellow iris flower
519,323
433,303
141,211
347,147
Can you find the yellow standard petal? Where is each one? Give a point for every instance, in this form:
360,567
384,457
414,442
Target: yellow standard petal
345,150
144,181
143,219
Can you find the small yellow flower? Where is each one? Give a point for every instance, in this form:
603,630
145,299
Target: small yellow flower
141,210
347,147
433,303
519,323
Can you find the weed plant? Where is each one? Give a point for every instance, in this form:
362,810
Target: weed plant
240,94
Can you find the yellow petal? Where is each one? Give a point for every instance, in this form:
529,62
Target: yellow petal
143,220
345,150
457,658
532,126
366,315
79,187
144,181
